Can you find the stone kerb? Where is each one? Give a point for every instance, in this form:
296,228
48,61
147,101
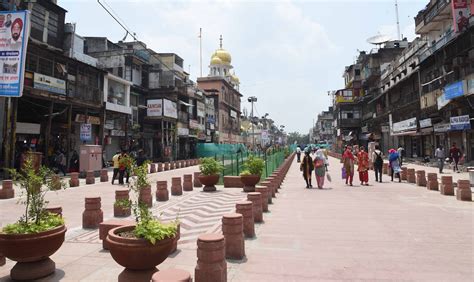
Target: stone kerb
74,181
172,275
256,199
162,193
197,183
447,187
463,191
404,173
188,182
411,177
176,188
264,191
245,208
420,178
152,168
92,215
7,191
432,183
104,175
233,230
232,182
211,263
90,177
122,198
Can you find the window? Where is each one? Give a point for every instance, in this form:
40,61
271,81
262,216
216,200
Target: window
357,72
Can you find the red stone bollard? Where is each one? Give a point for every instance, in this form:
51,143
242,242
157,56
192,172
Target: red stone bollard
256,199
171,275
197,183
58,210
447,187
420,178
385,168
274,183
90,177
271,192
404,173
463,191
233,230
176,188
265,192
152,168
211,263
92,215
167,166
245,208
7,191
122,203
104,175
160,167
162,193
2,260
188,182
145,196
74,181
432,183
411,175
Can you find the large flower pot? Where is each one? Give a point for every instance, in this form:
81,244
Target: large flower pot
32,251
249,182
137,254
209,182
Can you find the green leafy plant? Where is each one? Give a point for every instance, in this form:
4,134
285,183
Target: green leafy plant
254,165
210,166
122,203
245,173
148,227
34,183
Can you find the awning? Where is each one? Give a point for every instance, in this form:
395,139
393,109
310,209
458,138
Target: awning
404,133
186,104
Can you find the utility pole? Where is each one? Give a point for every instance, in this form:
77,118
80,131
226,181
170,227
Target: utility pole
252,99
200,49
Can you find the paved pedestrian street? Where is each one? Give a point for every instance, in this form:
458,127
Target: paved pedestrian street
386,231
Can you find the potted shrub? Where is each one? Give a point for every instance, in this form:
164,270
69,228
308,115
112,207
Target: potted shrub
37,234
210,173
252,173
148,243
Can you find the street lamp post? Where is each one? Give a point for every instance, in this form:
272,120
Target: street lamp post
252,99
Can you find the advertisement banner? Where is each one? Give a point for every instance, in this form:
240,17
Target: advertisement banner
14,34
170,109
49,83
86,132
461,15
460,122
454,90
154,108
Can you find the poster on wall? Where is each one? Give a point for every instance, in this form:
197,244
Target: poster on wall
170,109
461,15
154,108
86,132
14,33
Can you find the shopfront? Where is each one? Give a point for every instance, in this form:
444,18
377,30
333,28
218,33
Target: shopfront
406,135
427,137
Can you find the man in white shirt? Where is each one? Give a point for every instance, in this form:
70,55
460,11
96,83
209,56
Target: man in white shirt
439,155
298,153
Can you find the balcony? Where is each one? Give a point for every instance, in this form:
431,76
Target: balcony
349,122
432,15
448,36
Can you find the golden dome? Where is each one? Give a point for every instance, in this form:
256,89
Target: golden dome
215,60
235,78
223,55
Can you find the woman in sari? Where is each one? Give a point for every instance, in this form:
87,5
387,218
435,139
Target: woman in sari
363,166
393,164
348,162
320,167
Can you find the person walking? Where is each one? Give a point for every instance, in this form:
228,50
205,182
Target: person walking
393,164
363,166
440,156
348,163
377,157
298,153
61,161
400,152
320,166
307,168
455,155
116,162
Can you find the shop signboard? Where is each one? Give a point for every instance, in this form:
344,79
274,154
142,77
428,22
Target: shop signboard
425,123
233,114
14,34
193,124
441,127
183,131
116,132
211,120
201,109
86,132
49,83
470,84
109,124
460,122
170,109
408,124
154,107
80,118
454,90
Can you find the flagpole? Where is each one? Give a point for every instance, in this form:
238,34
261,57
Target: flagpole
200,49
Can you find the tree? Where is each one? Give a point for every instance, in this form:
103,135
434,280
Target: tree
299,138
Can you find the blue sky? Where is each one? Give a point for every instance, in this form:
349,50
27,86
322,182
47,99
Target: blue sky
286,53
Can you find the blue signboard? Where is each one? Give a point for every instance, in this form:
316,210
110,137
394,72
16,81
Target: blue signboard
14,33
460,122
454,90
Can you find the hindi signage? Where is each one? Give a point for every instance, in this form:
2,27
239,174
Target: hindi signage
460,122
